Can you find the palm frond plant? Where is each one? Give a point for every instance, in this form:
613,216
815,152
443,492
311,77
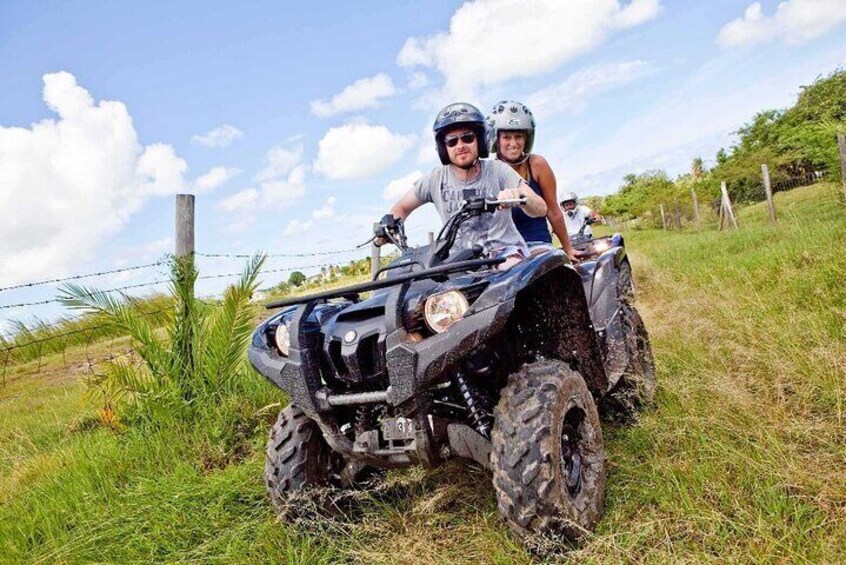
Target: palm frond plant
198,356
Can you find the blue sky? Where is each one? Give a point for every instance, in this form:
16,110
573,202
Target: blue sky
328,108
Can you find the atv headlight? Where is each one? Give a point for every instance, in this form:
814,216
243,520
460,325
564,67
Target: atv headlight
601,245
444,309
283,339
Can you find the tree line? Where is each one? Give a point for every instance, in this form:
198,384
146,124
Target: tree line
793,142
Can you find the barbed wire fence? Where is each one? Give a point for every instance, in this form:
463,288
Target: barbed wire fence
34,341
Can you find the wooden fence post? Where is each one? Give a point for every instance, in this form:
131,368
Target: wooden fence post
375,255
695,209
841,144
663,219
184,224
726,212
768,190
677,214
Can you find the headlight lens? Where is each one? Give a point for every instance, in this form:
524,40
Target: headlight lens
444,309
601,245
283,339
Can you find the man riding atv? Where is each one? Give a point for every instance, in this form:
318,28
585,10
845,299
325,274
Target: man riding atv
460,139
450,356
575,215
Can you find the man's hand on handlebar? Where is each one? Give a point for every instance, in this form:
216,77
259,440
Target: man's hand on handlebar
513,194
389,230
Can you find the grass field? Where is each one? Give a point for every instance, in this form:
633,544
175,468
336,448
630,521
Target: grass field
742,459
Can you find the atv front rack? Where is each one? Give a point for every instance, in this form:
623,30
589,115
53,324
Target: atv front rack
352,292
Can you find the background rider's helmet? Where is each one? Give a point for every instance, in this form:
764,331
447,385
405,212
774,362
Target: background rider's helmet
570,197
460,114
510,115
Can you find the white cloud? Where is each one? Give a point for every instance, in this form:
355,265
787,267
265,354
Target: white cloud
695,119
240,201
281,160
477,51
326,211
363,93
296,227
795,22
217,176
242,207
396,188
359,150
418,80
66,184
575,91
281,182
285,191
144,252
221,136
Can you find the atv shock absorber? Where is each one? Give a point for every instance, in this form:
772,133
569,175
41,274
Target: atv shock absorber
478,418
363,419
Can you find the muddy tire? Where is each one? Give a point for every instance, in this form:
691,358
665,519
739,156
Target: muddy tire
625,283
636,388
297,458
548,456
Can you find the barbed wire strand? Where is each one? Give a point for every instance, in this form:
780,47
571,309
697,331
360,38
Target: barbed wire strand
79,331
106,291
84,276
271,255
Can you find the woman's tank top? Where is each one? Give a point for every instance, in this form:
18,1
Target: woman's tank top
532,229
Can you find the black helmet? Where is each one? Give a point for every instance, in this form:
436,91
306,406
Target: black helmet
510,115
459,114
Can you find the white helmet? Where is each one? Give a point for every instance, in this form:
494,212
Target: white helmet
510,115
570,197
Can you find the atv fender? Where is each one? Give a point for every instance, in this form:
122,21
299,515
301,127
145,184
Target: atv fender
601,287
551,317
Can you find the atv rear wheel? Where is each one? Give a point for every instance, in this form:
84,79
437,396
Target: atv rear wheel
297,458
548,456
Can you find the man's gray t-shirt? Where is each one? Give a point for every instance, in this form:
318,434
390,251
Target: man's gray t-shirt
492,231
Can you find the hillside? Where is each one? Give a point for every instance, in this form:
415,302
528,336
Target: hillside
743,457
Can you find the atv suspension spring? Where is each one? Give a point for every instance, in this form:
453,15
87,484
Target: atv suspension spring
478,418
363,419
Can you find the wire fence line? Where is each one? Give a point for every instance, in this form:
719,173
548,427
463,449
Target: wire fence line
719,211
104,291
274,255
58,341
165,262
83,276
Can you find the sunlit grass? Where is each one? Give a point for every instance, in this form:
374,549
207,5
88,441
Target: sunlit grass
743,458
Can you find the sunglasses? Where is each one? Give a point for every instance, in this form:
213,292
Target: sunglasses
467,138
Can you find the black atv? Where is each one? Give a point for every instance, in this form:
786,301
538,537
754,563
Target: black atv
449,357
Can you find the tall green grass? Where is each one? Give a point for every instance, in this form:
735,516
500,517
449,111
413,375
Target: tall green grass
31,341
742,459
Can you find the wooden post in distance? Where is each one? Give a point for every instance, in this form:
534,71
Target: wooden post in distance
695,209
768,190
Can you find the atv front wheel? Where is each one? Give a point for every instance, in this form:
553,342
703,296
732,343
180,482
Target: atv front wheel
298,457
548,456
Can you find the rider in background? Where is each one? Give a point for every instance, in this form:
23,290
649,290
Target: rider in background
512,132
575,214
461,141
